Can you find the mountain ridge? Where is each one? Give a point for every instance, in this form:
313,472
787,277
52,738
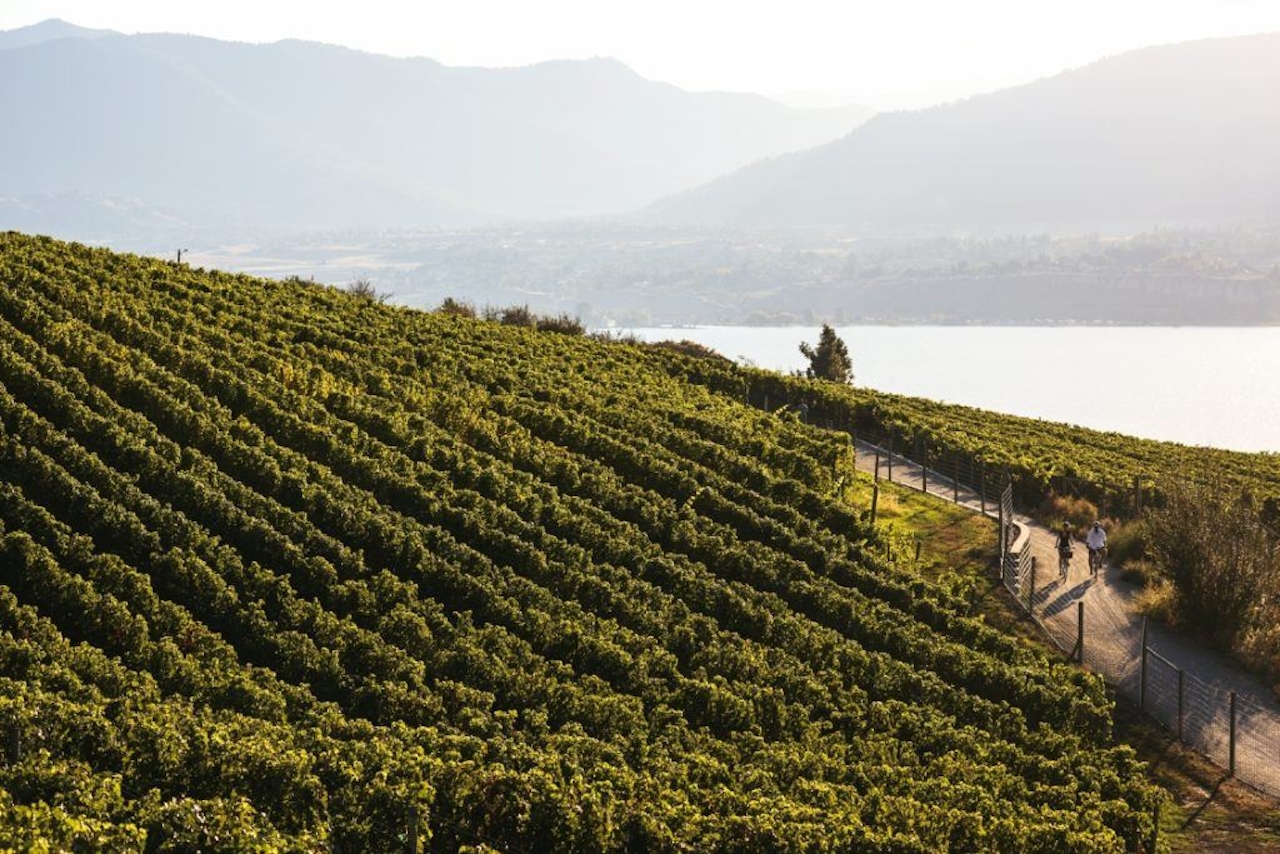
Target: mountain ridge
299,134
1160,133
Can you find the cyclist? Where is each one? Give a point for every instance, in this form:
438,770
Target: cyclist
1096,540
1064,549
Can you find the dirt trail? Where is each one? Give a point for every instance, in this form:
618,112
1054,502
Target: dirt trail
1113,643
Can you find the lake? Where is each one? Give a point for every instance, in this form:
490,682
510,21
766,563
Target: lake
1200,386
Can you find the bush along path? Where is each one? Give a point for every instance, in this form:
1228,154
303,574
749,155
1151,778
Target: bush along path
1200,696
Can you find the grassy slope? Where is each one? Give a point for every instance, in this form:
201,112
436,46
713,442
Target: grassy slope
281,565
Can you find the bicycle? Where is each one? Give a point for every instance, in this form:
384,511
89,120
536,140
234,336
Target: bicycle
1064,562
1097,557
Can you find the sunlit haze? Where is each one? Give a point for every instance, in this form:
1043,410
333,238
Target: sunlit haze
887,55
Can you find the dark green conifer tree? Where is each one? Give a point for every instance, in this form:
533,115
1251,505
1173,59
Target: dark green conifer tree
830,359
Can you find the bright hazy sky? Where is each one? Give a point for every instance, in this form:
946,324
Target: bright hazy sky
888,53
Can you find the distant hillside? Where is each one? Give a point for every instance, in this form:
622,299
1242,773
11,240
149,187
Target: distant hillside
297,134
47,31
1185,132
284,568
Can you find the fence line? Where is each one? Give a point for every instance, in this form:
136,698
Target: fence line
1233,730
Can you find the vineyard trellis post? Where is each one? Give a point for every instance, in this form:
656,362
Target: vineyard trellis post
890,456
411,838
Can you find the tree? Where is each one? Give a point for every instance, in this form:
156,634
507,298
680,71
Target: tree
830,359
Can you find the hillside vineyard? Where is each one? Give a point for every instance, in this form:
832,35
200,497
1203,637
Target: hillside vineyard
283,568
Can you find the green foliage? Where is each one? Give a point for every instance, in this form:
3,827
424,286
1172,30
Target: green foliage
829,360
1222,562
1042,457
278,572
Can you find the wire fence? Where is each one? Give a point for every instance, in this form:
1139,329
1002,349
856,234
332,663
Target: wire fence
1239,730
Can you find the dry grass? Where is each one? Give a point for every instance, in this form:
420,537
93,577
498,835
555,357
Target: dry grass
1057,509
1158,600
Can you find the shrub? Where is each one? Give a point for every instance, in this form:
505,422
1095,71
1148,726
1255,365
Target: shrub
1220,557
1158,599
517,315
456,307
362,288
1058,508
618,337
691,348
1126,541
563,323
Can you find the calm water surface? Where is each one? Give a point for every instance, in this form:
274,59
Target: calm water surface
1200,386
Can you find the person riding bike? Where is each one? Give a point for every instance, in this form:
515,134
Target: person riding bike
1064,549
1096,540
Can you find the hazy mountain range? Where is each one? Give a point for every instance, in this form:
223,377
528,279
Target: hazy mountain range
1186,133
303,135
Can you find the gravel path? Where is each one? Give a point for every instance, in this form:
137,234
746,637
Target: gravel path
1113,643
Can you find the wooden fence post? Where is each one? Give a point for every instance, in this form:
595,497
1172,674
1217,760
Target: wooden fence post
1231,754
982,488
1004,538
1181,681
1142,670
890,456
1031,596
412,835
